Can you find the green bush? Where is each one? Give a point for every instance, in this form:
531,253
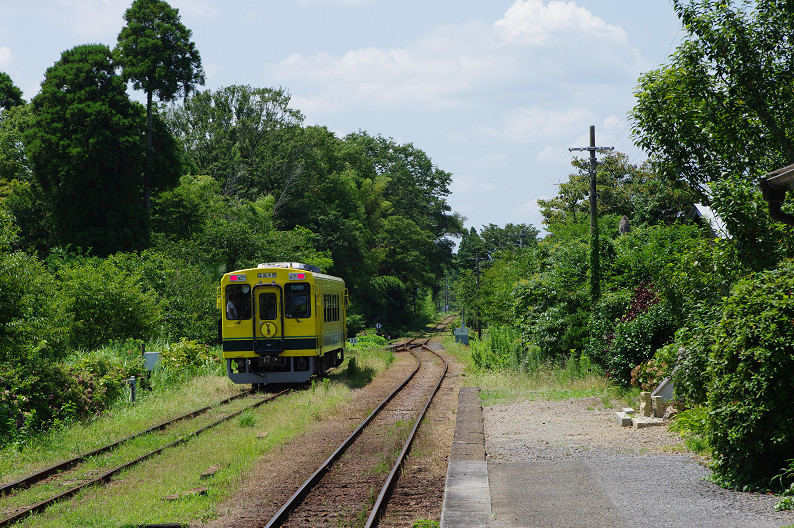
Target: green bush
185,354
751,428
500,349
102,376
355,323
34,322
645,327
688,355
106,302
551,307
34,396
186,292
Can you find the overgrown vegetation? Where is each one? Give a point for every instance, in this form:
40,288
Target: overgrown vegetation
107,242
677,301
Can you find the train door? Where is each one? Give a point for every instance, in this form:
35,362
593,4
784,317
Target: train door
268,323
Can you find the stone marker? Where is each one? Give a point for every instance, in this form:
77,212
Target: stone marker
624,419
645,404
658,406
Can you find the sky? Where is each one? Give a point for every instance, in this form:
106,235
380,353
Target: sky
494,92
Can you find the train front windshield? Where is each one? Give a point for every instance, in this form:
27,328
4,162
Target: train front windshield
296,300
238,302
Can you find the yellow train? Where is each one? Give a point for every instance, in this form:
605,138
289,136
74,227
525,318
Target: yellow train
281,322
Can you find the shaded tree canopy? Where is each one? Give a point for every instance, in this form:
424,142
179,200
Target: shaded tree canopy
241,136
84,143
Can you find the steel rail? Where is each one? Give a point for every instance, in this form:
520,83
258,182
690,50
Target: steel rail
66,464
309,483
380,502
306,487
105,477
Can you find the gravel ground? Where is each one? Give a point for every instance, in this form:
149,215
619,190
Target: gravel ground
647,475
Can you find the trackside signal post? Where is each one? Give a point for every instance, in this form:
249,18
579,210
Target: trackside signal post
595,261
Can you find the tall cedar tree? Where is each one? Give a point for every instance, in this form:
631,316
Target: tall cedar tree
155,53
84,145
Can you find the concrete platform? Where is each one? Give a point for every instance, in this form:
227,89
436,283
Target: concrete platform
467,497
604,489
531,494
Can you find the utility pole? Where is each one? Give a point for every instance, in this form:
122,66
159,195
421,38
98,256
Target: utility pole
595,261
521,235
446,293
476,259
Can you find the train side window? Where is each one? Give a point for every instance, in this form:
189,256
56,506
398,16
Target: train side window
238,302
268,307
296,300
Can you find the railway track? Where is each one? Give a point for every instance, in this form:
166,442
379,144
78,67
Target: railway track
353,484
12,489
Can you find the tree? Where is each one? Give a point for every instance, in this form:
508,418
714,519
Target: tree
639,192
722,106
10,95
246,138
155,53
13,161
508,238
84,145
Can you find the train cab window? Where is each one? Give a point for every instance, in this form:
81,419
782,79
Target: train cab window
238,302
296,300
268,308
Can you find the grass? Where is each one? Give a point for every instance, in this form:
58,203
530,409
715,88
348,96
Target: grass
178,469
546,382
691,425
151,408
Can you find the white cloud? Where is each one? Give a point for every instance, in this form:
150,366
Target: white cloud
468,183
533,23
527,125
456,64
531,124
552,154
435,73
526,212
6,57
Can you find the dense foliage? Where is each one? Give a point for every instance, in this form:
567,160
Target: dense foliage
116,222
84,145
722,104
751,374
